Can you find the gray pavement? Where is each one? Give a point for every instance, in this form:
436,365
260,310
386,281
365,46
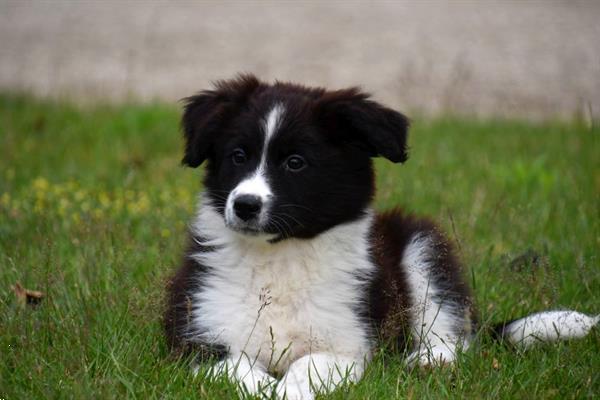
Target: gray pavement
528,59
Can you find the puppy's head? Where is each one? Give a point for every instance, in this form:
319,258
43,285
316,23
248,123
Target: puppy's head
285,160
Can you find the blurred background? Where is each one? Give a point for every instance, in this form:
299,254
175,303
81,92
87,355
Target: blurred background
531,59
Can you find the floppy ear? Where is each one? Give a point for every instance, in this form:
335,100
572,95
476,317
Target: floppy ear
350,113
206,114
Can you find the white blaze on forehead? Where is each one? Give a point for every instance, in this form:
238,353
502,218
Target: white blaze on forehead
271,123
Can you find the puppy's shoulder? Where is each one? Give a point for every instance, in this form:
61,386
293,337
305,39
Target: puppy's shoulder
394,229
396,234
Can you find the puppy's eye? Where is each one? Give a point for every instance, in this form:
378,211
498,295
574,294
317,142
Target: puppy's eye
238,157
295,163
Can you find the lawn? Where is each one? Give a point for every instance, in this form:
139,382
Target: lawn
94,208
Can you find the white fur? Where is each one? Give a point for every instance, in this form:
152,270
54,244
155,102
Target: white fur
271,123
434,322
240,368
316,373
280,302
549,326
257,184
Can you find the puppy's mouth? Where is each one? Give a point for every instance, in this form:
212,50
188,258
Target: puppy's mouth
251,229
255,233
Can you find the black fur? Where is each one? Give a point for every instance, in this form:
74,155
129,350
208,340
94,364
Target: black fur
177,320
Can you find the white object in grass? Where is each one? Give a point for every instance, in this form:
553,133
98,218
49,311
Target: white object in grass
549,326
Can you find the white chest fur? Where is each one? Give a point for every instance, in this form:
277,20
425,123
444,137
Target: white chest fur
278,302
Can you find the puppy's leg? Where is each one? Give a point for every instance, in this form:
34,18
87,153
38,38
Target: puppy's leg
440,309
250,375
318,373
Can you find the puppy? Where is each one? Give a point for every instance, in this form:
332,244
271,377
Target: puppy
289,272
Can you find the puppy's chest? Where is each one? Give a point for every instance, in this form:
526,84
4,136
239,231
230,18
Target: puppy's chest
279,308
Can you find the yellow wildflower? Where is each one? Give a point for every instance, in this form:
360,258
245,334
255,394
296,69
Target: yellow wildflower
143,203
5,199
104,200
165,196
80,194
118,204
16,206
39,206
71,186
129,195
40,184
63,205
58,189
40,195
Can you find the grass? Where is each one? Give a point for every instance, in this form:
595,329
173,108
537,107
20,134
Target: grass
93,212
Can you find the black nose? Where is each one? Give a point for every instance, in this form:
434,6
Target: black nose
247,206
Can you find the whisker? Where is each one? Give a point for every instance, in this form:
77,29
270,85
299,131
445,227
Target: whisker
280,219
282,215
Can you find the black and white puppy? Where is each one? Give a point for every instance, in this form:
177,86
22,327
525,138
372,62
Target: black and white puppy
289,272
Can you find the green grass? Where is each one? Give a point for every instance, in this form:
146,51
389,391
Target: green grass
93,212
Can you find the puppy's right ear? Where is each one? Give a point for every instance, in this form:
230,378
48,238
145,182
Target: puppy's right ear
206,114
380,130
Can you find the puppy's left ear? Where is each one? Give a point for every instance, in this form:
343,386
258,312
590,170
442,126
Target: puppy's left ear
350,114
206,115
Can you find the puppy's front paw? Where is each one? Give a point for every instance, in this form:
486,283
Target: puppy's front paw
258,384
431,357
294,392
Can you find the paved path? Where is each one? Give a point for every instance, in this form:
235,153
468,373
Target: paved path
532,59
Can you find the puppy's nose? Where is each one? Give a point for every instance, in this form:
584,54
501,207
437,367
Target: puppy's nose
247,206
